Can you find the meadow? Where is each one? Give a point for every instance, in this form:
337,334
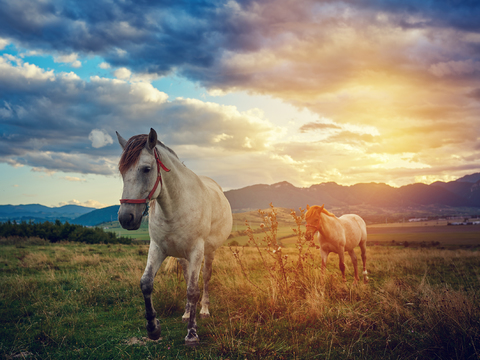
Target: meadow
70,300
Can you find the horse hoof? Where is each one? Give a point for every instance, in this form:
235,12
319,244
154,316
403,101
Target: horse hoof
204,316
193,340
156,332
185,319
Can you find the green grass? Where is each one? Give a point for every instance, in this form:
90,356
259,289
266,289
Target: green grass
140,234
83,301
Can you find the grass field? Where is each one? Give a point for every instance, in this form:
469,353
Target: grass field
83,301
78,301
413,232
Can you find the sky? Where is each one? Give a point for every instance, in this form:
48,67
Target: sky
245,92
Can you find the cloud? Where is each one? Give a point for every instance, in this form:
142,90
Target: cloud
44,126
406,69
89,203
122,73
73,179
3,43
475,94
455,67
99,138
69,59
317,126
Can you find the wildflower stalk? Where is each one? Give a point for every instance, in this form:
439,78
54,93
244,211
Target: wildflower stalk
282,272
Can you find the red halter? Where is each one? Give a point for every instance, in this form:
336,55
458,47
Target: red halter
159,180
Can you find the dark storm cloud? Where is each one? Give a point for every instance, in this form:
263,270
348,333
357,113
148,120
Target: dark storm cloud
192,36
457,14
145,36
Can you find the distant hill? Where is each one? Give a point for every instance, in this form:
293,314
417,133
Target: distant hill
40,213
472,178
371,199
381,196
98,216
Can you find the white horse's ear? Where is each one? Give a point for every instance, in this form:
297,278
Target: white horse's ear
308,207
121,140
322,207
152,139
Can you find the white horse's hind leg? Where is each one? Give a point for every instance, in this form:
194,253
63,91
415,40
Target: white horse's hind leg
155,259
193,293
207,274
184,263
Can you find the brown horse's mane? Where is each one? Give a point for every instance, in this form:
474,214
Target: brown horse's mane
326,212
132,150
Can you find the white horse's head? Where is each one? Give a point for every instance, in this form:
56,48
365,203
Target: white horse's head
140,172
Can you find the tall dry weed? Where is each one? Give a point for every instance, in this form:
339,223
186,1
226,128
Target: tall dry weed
284,272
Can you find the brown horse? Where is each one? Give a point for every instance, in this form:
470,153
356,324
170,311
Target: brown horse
338,235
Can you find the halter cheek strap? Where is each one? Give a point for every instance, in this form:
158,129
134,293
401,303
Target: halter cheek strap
159,180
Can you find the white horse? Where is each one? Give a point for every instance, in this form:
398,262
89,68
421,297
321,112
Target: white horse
189,219
338,235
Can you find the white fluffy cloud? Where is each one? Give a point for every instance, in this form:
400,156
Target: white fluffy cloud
69,59
99,138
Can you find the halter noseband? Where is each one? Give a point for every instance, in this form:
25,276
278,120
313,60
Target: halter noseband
313,226
159,180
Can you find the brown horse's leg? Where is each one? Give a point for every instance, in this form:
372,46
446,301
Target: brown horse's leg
341,263
353,256
324,255
155,259
363,248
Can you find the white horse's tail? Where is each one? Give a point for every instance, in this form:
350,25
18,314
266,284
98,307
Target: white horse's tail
170,265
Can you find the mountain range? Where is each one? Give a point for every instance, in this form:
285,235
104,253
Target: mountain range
39,213
460,193
371,198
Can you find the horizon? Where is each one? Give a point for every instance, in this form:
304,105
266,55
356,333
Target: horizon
299,187
244,93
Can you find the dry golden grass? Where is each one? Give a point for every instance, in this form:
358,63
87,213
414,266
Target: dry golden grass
419,303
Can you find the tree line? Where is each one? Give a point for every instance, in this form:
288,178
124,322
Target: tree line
56,231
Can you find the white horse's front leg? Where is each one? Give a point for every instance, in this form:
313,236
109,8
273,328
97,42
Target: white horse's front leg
155,259
193,292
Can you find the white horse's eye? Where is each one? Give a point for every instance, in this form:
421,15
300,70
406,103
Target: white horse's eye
147,169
